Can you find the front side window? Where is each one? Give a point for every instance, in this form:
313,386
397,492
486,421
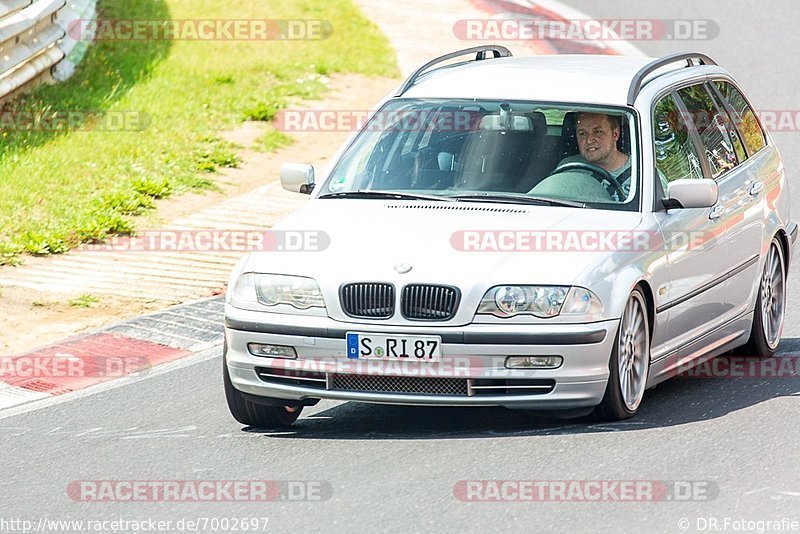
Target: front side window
461,149
675,154
710,124
751,130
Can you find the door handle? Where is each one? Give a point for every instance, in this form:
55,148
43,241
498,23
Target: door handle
756,188
717,212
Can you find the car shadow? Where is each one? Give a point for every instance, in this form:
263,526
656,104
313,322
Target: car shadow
711,392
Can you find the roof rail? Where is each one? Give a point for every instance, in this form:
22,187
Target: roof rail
480,51
638,79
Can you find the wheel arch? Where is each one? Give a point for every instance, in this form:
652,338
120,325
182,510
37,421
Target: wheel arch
619,286
783,239
649,300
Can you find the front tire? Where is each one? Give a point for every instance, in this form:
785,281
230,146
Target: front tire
629,364
770,305
250,413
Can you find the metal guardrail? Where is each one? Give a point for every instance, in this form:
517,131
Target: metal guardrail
38,43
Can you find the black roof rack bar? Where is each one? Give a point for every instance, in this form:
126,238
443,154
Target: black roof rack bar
638,79
480,51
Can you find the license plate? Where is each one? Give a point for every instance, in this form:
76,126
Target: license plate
392,347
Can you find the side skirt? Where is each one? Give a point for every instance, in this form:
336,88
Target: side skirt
725,337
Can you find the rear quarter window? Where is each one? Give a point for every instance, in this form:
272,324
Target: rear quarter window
754,138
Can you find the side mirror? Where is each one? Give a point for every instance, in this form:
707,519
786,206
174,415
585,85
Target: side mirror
691,193
297,178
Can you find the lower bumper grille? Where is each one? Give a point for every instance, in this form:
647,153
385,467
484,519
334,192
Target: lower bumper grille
409,385
400,384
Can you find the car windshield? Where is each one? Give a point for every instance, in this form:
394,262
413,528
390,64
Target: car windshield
493,151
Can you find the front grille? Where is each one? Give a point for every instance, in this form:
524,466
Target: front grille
429,303
370,300
400,384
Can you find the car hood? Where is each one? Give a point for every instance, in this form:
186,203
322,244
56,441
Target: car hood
369,239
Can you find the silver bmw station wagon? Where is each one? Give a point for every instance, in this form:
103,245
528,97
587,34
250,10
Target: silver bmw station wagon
547,233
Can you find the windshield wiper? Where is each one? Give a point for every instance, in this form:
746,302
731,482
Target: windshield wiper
518,199
365,193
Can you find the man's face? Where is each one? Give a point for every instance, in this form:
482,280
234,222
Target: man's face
597,139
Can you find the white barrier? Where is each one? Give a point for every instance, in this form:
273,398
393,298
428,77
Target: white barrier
34,41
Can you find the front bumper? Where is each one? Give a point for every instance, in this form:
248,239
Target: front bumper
472,371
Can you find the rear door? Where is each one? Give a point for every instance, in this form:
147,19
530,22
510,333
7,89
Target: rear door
740,210
748,200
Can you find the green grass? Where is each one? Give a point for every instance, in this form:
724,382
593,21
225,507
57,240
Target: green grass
273,140
84,301
59,189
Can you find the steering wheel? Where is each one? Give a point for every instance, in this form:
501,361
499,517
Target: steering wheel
598,173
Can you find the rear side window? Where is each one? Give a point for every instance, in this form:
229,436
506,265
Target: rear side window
710,124
676,157
754,138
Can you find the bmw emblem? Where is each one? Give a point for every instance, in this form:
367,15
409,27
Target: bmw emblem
403,268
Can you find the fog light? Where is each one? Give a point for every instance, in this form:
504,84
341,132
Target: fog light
534,362
272,351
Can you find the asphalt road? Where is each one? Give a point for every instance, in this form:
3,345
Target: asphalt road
394,469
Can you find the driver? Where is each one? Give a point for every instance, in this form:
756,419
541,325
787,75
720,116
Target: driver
597,135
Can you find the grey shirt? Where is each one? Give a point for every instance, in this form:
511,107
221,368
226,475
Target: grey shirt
626,184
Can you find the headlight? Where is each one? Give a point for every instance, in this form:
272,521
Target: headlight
273,289
540,301
581,301
297,291
244,291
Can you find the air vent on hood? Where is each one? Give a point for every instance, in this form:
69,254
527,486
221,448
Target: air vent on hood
452,207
